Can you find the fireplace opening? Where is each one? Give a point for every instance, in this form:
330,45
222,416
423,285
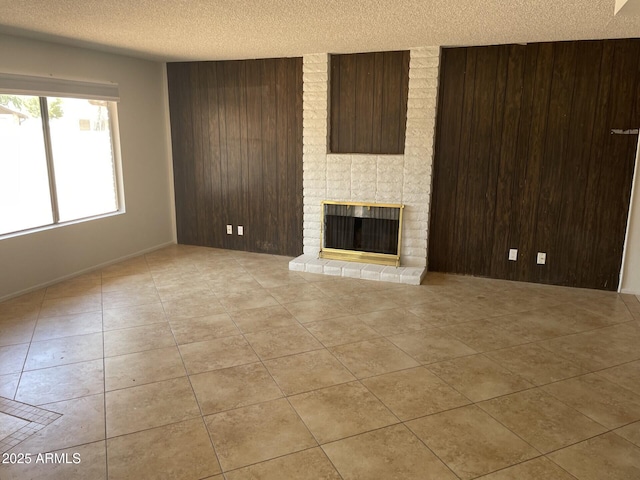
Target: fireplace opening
362,232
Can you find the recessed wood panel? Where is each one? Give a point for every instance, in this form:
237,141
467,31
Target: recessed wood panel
369,102
525,159
236,129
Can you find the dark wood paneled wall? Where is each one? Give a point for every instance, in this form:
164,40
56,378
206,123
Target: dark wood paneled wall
525,159
369,102
236,129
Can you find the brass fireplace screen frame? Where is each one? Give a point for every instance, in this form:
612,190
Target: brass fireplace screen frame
356,255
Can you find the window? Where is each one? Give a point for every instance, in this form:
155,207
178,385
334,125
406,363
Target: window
58,159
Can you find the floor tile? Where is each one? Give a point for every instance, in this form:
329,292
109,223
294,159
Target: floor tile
10,313
16,331
297,292
598,349
585,353
339,331
224,352
610,306
607,456
126,282
414,393
393,322
446,312
198,329
179,294
9,385
133,266
65,350
68,325
536,364
180,450
479,378
130,297
307,371
83,462
470,442
137,339
311,464
340,411
627,375
138,408
482,335
53,307
55,384
431,345
605,402
88,284
366,303
630,433
228,285
337,287
234,387
391,452
541,419
181,310
133,316
272,278
282,341
236,302
82,421
409,295
257,433
259,319
536,469
373,357
141,368
314,310
12,358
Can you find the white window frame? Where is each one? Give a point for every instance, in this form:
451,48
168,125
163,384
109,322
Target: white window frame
44,87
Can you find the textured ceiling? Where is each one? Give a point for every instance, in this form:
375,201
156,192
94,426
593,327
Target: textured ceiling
173,30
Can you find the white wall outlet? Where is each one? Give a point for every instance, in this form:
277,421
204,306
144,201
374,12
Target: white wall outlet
542,258
240,230
229,229
513,254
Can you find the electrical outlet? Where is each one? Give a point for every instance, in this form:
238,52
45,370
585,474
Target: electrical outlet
513,254
240,230
229,229
542,258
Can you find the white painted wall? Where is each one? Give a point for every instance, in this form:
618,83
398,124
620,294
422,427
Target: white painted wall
630,282
36,259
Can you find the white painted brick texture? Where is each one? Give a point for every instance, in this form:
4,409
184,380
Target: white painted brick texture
372,178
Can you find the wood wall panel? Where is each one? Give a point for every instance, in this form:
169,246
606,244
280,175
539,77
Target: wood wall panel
525,159
369,102
236,130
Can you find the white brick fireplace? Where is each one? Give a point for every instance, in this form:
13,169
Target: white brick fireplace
402,179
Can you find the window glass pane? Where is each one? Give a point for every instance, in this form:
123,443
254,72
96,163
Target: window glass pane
25,201
82,157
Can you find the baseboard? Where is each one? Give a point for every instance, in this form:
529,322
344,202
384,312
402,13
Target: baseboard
629,291
86,270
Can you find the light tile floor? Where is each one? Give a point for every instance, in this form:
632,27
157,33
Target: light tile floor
194,363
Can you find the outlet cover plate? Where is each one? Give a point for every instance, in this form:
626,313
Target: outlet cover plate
229,229
513,254
542,258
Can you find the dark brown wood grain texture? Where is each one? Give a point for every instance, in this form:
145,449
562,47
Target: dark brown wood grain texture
236,130
525,159
369,102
